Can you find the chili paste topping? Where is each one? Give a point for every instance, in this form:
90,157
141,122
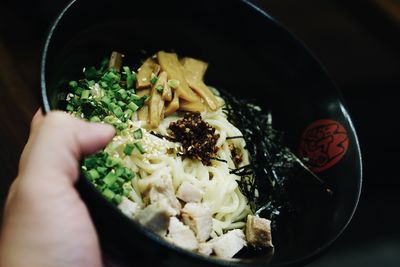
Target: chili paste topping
198,138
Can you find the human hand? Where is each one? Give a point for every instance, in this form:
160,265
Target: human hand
46,224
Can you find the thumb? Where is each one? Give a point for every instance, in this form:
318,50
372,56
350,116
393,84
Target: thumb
58,142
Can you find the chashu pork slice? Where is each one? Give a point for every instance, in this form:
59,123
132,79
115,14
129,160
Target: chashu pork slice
189,193
128,207
161,188
181,235
156,216
198,217
205,248
228,244
258,232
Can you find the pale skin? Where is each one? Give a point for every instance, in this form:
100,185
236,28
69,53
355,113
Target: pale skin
45,223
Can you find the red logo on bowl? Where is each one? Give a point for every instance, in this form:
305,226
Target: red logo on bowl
323,144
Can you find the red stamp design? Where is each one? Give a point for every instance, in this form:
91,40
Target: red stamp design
323,144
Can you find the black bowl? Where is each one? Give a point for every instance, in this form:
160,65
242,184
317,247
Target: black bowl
252,56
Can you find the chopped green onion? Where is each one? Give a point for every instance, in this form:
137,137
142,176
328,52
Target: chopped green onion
134,77
139,147
160,88
110,178
78,91
85,94
174,83
70,108
106,100
111,77
128,149
73,84
90,162
140,102
103,84
119,171
124,132
138,134
112,105
111,161
117,199
115,86
95,119
110,119
126,188
101,170
122,94
128,113
129,174
108,194
92,174
115,187
130,78
121,126
90,83
135,97
121,104
132,106
118,111
153,79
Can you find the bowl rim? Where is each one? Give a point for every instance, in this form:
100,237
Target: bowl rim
214,260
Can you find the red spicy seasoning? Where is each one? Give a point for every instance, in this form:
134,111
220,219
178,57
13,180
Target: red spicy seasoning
198,138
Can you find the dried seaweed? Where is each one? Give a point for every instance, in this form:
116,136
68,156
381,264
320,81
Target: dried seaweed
274,172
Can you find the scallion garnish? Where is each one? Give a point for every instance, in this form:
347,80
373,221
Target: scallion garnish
108,194
95,119
138,134
139,146
70,108
111,162
93,174
132,106
130,78
159,88
85,94
118,111
153,79
110,178
129,149
122,94
73,84
108,175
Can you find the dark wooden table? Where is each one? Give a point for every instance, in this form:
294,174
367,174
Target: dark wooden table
357,41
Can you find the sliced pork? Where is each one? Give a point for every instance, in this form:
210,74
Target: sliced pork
128,207
198,217
181,235
189,193
258,232
227,245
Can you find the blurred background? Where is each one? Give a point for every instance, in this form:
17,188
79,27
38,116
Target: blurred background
357,41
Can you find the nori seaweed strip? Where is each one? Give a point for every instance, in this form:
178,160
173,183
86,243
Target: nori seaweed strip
234,137
220,160
274,169
160,135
